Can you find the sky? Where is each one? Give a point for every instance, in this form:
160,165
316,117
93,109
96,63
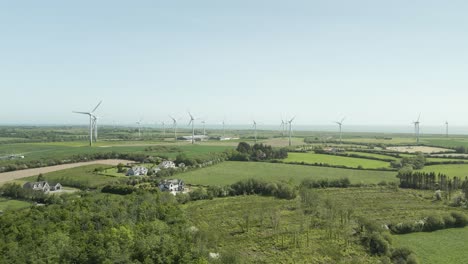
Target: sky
373,62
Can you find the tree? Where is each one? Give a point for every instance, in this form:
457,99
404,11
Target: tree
40,177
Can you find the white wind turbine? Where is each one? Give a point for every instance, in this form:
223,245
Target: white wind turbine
290,129
192,122
164,128
446,129
340,123
91,122
139,127
254,126
203,122
174,125
416,128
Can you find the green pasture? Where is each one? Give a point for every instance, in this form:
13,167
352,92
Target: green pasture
442,246
372,155
84,176
311,158
10,204
451,170
230,172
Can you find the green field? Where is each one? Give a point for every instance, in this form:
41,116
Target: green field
312,158
222,220
230,172
379,156
443,246
451,170
80,176
10,204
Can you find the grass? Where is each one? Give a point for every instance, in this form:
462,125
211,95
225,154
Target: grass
230,172
79,177
443,246
312,158
222,219
10,204
451,170
372,155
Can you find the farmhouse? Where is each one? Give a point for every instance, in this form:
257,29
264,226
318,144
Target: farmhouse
195,138
137,171
42,186
174,185
167,164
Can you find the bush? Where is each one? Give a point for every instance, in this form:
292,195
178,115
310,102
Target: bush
460,219
403,255
378,245
433,223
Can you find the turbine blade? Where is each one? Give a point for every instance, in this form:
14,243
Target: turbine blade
84,113
96,106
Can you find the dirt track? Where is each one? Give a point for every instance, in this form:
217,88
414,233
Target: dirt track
13,175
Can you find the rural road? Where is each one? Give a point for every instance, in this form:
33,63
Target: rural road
13,175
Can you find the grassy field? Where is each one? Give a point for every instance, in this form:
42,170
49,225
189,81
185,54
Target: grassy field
443,246
10,204
80,176
230,172
65,150
452,170
379,156
312,158
222,220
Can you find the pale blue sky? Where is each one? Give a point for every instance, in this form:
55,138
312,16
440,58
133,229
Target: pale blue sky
375,62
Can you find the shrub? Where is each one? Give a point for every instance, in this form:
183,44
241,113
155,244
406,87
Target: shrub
460,219
403,255
433,223
378,245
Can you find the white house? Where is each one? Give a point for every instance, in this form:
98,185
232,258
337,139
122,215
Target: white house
167,164
42,186
174,185
137,171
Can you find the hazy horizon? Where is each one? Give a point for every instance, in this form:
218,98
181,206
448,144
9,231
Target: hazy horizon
374,62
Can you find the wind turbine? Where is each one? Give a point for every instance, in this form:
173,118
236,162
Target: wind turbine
164,128
95,119
139,127
224,129
174,124
283,125
255,130
192,122
416,128
91,115
290,129
340,123
446,129
203,122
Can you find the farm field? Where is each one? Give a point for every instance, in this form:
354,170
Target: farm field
423,149
379,156
10,204
373,140
442,246
451,170
230,172
83,176
312,158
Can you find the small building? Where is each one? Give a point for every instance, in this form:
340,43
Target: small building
167,164
55,187
42,186
137,171
37,186
174,185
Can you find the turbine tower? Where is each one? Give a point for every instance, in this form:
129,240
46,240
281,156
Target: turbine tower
340,123
446,129
255,130
224,129
95,119
164,128
174,124
416,128
91,121
203,122
139,127
290,129
192,122
283,127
